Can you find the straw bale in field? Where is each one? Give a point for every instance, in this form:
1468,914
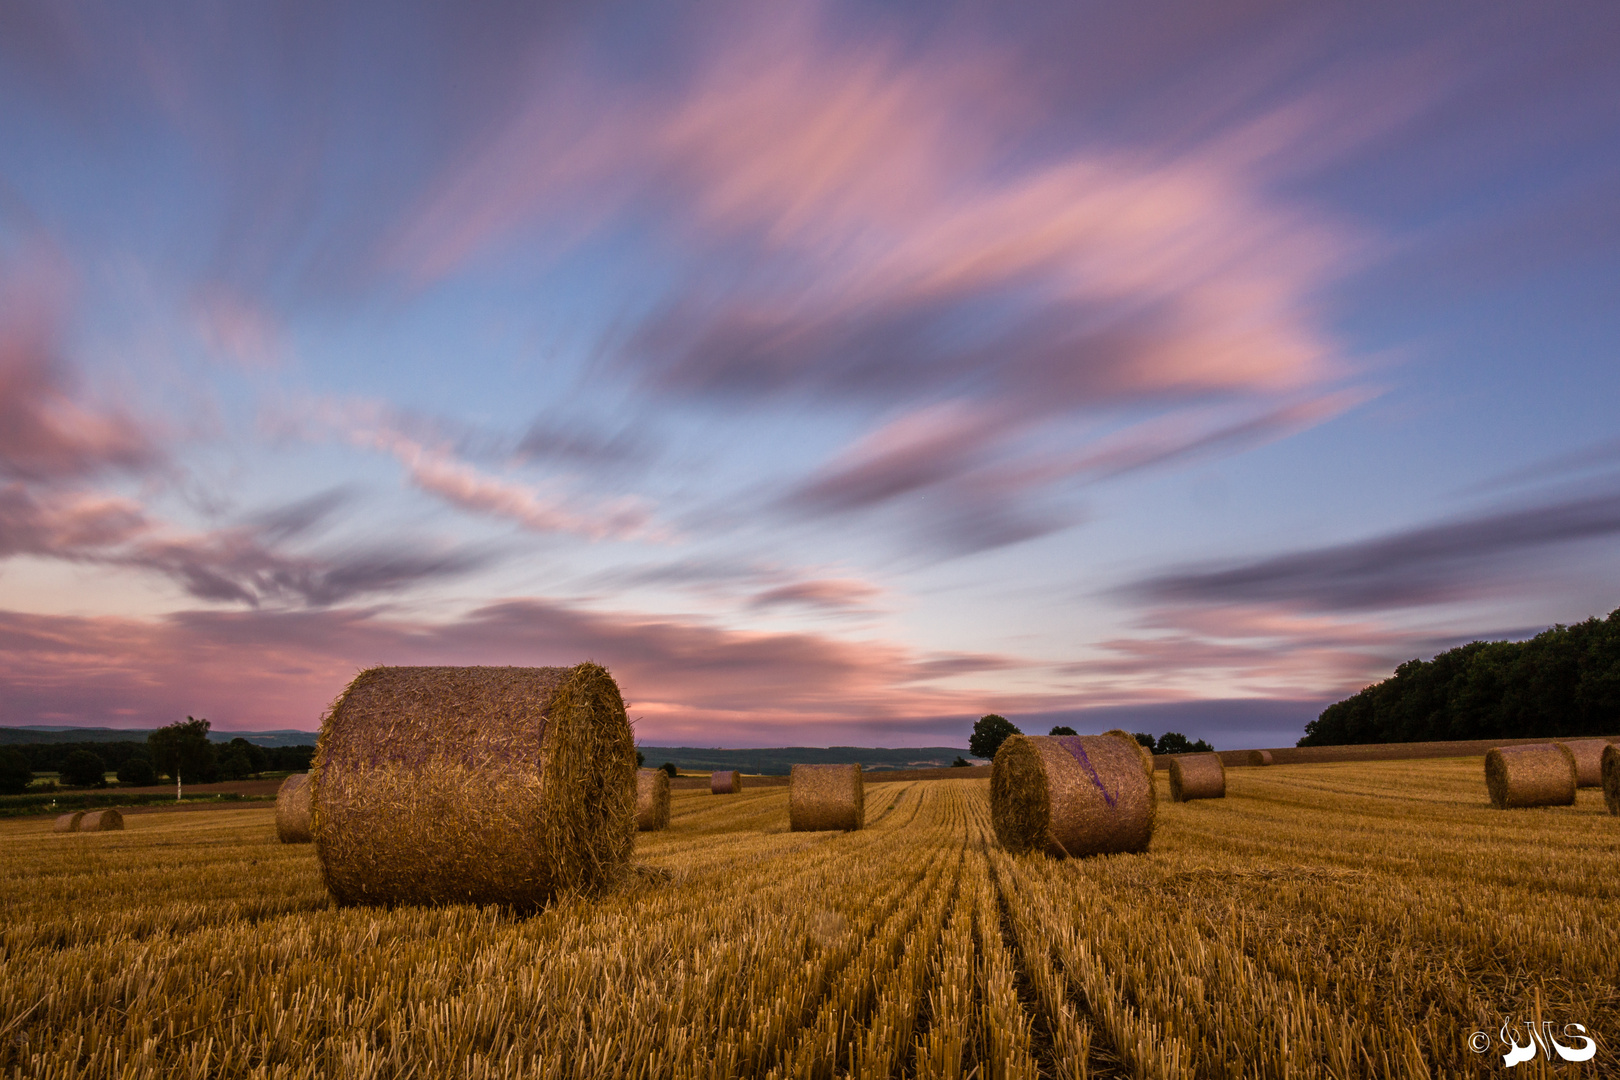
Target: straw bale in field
1144,752
1259,757
101,821
292,810
725,783
498,785
1540,774
652,799
1197,776
68,822
1588,755
825,797
1611,777
1071,795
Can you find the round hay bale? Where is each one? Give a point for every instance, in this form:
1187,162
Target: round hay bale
1588,755
1540,774
725,783
101,821
1611,777
1144,752
68,822
1260,757
486,785
1197,776
652,799
292,810
826,797
1071,795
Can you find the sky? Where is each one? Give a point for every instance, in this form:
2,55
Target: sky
832,373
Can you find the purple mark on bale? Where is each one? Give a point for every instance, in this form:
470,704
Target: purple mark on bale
1072,744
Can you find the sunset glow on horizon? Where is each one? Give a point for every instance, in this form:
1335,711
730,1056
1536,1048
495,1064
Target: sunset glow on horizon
834,374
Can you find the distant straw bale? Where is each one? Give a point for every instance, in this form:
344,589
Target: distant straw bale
652,799
825,797
292,810
725,783
1197,776
1071,795
1588,755
1259,757
483,785
101,821
1144,752
68,822
1540,774
1611,777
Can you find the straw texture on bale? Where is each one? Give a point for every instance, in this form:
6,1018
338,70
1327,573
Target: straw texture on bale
725,783
68,822
485,785
1611,777
1541,774
1259,757
1071,795
652,799
292,810
1588,755
1144,752
826,797
1197,776
101,821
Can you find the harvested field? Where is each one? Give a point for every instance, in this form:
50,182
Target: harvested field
1333,920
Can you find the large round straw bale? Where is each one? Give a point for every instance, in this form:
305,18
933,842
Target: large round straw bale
1611,777
68,822
497,785
1197,776
292,810
652,799
1071,795
1259,757
725,783
1588,755
1538,774
1142,751
824,797
101,821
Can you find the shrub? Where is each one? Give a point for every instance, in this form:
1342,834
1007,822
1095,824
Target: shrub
960,762
1174,742
1063,729
137,772
670,768
83,769
15,776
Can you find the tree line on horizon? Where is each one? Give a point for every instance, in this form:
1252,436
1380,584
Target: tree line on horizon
993,729
1562,683
181,748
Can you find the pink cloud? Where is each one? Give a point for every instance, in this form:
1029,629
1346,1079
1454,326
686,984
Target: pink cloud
833,594
685,680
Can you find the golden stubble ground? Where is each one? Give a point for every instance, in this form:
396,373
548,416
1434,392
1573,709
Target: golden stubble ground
1359,919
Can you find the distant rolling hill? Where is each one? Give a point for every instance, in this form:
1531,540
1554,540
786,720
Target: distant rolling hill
16,736
780,760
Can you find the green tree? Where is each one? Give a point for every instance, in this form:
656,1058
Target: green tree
15,775
137,772
234,764
989,732
256,758
1144,738
1063,729
182,750
1174,742
83,769
670,768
